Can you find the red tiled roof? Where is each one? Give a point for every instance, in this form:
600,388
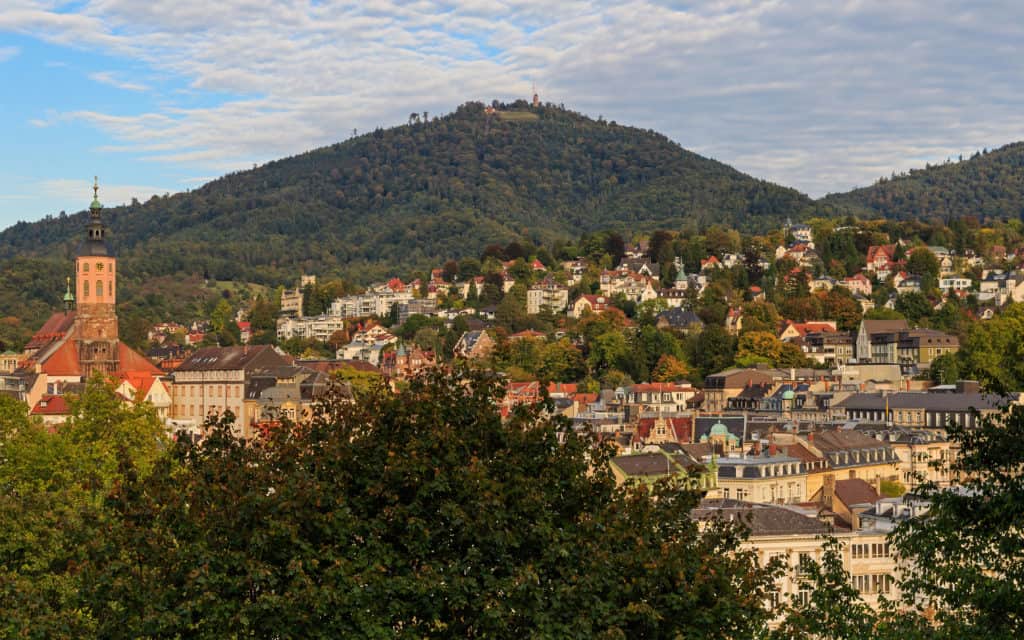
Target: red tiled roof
682,428
855,491
55,327
132,361
562,387
63,361
50,405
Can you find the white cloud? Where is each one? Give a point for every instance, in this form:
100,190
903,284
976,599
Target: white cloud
111,195
6,53
796,91
109,78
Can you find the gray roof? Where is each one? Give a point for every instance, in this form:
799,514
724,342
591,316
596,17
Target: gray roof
952,402
763,519
679,317
233,359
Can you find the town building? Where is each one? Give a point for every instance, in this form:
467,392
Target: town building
474,344
547,295
81,341
213,381
318,328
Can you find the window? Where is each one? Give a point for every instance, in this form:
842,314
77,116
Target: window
99,288
803,559
85,288
85,267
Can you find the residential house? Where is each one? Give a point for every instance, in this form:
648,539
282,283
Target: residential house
869,328
590,304
642,266
802,233
406,362
847,499
801,329
710,263
680,319
955,283
319,328
650,467
767,476
547,295
474,344
292,302
416,306
881,260
857,284
830,348
720,387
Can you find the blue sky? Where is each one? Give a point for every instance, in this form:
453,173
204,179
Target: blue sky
163,95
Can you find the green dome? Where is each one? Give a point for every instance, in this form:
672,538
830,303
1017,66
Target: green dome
788,394
719,429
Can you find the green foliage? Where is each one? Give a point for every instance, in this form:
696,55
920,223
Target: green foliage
414,516
965,556
989,185
52,486
414,196
993,351
893,488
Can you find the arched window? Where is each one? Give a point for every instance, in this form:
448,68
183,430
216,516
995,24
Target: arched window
99,288
85,267
110,288
85,288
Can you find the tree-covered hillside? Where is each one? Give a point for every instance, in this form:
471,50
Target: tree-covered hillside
987,185
411,196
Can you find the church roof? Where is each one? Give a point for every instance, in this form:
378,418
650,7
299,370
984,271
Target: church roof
62,362
131,361
56,327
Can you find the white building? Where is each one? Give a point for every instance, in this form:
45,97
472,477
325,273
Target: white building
547,295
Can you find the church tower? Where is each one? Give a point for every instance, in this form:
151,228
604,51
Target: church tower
95,293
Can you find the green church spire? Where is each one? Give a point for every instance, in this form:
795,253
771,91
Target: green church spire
95,206
69,298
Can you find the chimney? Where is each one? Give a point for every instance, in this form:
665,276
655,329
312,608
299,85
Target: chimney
810,437
828,490
773,449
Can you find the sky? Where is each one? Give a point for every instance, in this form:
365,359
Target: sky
160,96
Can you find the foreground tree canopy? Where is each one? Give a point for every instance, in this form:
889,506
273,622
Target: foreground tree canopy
416,515
423,514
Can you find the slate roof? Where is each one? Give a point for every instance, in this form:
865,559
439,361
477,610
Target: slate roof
763,519
654,464
952,402
680,318
233,359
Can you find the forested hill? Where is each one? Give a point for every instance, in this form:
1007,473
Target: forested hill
410,196
987,185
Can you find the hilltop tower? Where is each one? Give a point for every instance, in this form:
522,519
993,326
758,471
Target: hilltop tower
536,98
95,294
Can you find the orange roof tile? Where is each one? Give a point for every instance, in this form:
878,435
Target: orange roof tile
63,361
